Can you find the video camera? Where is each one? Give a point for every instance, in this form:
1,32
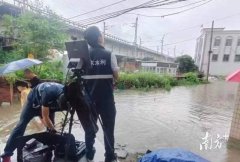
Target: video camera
78,55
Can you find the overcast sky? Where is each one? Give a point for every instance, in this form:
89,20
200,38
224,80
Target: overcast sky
150,29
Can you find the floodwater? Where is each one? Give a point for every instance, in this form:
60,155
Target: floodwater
179,118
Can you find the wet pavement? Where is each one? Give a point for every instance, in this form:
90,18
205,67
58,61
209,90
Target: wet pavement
157,119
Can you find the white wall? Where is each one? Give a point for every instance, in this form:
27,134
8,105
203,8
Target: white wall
218,67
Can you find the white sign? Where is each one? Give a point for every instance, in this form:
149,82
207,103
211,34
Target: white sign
152,64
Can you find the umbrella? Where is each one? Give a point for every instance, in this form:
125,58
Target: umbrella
234,77
172,155
18,65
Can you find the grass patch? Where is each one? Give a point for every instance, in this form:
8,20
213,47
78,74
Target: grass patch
146,81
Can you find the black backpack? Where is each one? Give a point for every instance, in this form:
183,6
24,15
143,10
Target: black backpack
35,151
76,148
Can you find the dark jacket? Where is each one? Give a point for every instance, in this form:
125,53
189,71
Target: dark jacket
35,81
100,76
45,94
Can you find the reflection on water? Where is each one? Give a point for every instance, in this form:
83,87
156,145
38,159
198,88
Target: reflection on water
179,118
156,119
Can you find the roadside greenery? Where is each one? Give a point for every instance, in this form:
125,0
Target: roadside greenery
186,64
32,34
141,80
47,71
11,78
147,81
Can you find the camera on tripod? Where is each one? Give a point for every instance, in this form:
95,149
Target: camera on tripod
78,55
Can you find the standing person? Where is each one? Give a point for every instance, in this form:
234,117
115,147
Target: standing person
99,80
43,101
32,77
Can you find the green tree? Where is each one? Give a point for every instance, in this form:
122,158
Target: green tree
33,33
8,56
186,64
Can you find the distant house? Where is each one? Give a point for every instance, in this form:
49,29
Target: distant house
160,67
225,57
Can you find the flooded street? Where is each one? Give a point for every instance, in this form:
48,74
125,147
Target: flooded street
179,118
157,119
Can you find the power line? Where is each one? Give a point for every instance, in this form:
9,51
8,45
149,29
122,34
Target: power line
186,40
199,25
162,16
117,13
190,4
196,26
112,4
186,9
149,4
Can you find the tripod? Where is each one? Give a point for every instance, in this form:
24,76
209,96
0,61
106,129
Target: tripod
87,104
72,112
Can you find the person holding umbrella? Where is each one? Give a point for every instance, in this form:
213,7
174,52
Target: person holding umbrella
32,77
22,64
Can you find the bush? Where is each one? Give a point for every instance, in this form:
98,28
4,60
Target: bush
145,80
190,79
47,70
51,71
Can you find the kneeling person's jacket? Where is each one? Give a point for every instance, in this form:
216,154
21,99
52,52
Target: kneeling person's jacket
45,94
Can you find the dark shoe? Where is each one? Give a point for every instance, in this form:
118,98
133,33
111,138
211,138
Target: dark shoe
112,158
90,160
116,160
90,154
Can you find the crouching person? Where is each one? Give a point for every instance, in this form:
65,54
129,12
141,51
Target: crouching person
42,101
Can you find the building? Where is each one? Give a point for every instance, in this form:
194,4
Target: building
225,57
163,68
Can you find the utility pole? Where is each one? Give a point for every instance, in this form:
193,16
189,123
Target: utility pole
174,52
104,31
157,49
162,43
135,37
210,50
140,42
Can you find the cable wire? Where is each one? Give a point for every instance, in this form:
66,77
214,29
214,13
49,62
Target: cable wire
187,9
170,8
149,4
112,4
162,16
186,40
120,11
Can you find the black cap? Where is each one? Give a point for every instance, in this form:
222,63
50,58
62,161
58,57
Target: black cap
91,35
